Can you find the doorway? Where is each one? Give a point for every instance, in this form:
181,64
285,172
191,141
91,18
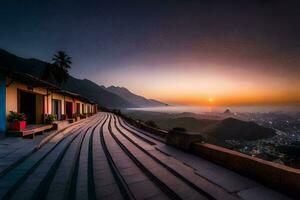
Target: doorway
78,108
27,106
39,109
56,108
32,105
69,109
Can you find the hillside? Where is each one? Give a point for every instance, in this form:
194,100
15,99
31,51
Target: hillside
214,130
217,131
94,92
84,87
234,129
134,99
31,66
189,123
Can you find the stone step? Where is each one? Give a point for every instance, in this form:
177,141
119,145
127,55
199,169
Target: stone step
82,173
61,183
160,172
36,184
179,169
13,178
19,149
123,162
221,183
154,138
60,187
105,185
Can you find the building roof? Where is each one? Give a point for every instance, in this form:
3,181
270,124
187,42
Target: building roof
74,95
28,79
36,82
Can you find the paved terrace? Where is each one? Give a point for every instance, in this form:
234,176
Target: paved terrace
103,157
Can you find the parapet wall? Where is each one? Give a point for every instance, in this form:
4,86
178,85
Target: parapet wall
280,177
277,176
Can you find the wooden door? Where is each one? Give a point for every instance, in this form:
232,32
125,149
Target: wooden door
39,109
69,107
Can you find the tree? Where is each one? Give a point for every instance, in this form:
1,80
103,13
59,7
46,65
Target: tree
58,70
62,60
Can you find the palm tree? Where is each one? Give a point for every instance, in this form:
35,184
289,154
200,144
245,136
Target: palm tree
58,70
62,60
62,63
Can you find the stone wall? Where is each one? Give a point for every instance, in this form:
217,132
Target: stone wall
280,177
277,176
182,139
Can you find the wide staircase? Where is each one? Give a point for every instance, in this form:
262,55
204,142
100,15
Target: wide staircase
104,157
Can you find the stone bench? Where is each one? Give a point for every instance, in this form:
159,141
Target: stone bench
30,130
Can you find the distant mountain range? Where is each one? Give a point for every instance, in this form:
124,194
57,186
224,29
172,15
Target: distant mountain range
137,100
235,129
111,97
219,130
215,131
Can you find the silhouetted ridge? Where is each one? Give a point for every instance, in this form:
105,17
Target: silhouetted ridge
212,129
234,129
95,92
84,87
227,112
136,100
31,66
116,97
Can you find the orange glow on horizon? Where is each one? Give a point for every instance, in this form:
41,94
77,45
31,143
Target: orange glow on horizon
207,84
242,98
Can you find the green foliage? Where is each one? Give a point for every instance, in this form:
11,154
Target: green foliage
151,124
58,70
62,60
16,117
50,119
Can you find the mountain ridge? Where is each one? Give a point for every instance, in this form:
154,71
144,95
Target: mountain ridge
235,129
135,99
84,87
215,131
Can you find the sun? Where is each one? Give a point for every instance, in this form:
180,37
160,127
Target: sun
210,100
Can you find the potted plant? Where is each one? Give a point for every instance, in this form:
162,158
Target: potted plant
17,121
50,119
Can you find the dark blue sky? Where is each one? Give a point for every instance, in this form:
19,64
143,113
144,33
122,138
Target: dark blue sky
105,39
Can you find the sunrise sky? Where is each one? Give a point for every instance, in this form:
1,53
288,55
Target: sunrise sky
180,52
